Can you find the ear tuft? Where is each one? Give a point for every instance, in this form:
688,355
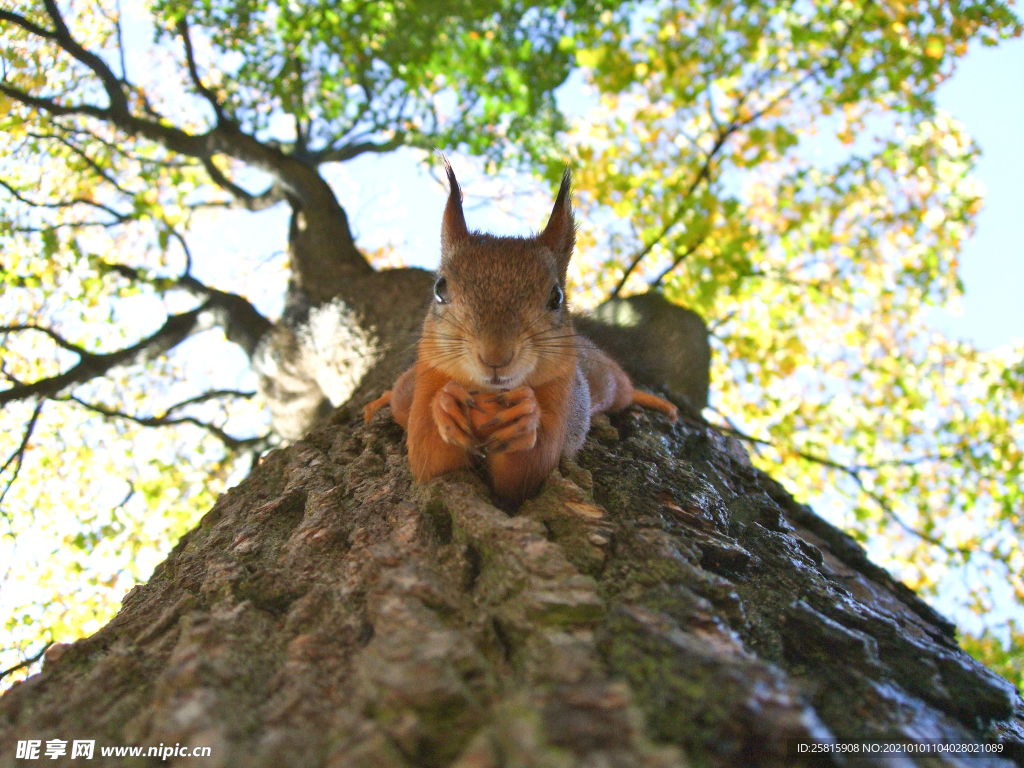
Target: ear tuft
560,233
453,224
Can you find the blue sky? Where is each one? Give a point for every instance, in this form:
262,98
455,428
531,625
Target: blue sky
987,95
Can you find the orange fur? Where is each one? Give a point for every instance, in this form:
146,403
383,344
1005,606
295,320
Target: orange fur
657,403
370,409
514,475
429,454
518,476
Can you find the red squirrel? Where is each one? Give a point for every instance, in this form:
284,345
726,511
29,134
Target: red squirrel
501,378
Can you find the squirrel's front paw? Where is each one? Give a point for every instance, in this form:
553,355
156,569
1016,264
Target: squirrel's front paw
451,409
514,426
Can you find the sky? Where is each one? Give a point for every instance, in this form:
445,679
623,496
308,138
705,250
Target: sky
987,95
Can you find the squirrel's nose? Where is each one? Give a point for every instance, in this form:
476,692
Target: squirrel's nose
488,362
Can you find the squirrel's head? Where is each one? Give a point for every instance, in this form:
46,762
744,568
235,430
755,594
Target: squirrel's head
499,315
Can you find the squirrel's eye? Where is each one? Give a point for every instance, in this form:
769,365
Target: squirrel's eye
556,298
441,290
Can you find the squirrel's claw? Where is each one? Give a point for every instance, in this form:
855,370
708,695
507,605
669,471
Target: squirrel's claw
512,396
519,437
491,423
452,418
492,446
514,428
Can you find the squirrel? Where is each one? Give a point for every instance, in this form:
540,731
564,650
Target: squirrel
501,377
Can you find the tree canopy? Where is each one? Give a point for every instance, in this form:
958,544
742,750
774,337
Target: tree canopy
698,172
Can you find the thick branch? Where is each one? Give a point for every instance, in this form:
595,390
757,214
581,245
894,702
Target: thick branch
241,322
223,139
27,25
111,84
174,331
51,107
243,199
324,256
300,180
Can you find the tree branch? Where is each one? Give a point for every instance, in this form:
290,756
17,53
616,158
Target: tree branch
79,152
26,662
855,473
299,180
678,260
111,84
270,197
64,203
211,395
715,325
723,135
349,151
175,330
120,42
27,25
704,173
60,340
295,177
52,107
232,443
18,457
241,322
193,71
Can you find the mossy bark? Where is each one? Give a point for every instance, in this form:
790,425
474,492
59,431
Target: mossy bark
660,603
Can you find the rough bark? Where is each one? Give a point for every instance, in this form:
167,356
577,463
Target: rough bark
661,603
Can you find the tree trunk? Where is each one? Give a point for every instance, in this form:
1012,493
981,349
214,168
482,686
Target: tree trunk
660,603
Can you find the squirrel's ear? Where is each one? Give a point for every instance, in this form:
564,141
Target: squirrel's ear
453,225
560,233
